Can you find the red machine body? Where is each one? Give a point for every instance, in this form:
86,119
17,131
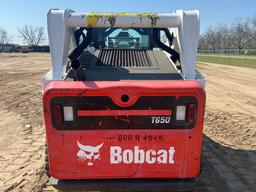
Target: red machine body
124,129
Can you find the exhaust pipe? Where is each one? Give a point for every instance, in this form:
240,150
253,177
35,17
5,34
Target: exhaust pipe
77,70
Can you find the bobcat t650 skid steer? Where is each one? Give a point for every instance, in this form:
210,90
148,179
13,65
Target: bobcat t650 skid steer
123,102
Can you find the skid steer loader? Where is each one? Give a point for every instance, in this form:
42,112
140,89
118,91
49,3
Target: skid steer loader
123,102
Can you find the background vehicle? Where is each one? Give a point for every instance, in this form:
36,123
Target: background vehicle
23,49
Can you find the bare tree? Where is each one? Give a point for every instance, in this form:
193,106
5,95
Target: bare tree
253,31
33,36
222,38
209,39
250,32
253,21
239,37
216,39
4,37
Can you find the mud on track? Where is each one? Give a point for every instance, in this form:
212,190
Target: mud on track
229,160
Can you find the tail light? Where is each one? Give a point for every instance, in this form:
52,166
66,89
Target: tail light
61,114
57,114
191,114
186,113
68,113
181,113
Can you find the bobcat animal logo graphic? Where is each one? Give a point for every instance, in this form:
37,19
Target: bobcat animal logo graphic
87,152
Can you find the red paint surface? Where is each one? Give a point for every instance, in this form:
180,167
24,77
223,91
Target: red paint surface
124,112
63,148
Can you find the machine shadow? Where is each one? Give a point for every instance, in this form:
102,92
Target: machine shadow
222,165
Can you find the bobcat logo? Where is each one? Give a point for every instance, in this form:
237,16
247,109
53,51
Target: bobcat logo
87,152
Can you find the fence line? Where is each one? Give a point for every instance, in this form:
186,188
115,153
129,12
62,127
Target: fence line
232,51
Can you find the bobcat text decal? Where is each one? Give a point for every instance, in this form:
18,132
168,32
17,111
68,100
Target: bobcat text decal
87,152
140,156
135,155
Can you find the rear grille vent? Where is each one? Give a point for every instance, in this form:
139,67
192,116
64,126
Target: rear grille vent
124,58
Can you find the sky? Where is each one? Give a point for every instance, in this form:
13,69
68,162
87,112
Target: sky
16,13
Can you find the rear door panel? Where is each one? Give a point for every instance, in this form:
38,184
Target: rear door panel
107,146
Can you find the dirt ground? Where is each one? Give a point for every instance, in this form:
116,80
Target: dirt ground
229,158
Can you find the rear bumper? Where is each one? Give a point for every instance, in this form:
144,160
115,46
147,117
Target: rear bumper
126,185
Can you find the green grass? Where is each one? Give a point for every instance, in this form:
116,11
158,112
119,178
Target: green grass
241,62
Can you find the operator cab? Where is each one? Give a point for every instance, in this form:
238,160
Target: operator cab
113,54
